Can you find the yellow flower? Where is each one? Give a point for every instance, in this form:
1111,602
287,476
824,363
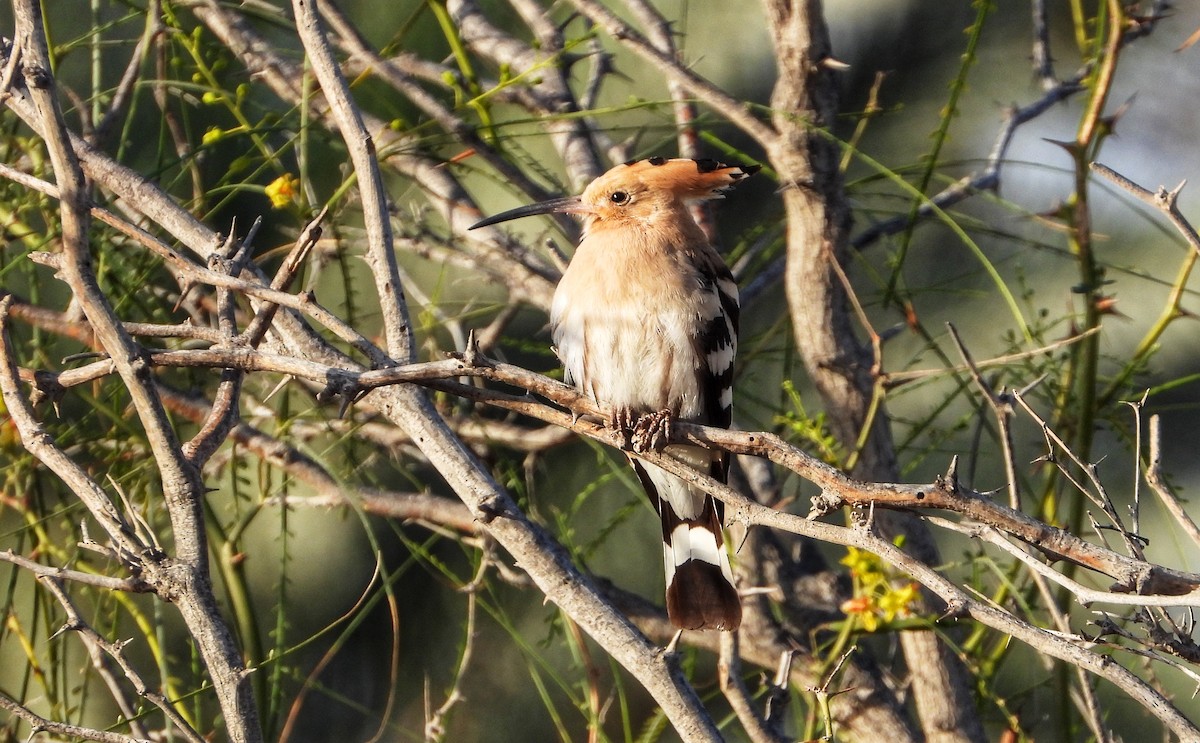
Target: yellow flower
860,562
898,601
282,190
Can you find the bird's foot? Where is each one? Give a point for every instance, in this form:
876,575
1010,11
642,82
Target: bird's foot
642,431
651,431
622,421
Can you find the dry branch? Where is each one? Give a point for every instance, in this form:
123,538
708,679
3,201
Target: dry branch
381,386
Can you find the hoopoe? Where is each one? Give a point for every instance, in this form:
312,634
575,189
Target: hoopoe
645,319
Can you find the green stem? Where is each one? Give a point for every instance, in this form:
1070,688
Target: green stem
957,87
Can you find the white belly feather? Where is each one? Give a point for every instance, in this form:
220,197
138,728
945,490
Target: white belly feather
640,356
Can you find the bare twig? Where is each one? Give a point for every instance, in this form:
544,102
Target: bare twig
131,76
411,411
707,93
37,442
894,378
730,676
395,73
191,272
1158,483
116,651
527,275
1098,494
41,724
435,729
381,255
182,487
1002,409
987,178
1131,574
133,584
1165,201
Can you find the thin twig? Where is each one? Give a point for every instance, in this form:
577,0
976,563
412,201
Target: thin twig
1158,483
709,94
132,584
76,623
1165,201
1003,412
730,676
1098,494
183,489
66,730
435,729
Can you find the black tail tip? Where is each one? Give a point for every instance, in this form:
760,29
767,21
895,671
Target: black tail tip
699,598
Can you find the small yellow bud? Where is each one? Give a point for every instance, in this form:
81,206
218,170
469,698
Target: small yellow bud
282,190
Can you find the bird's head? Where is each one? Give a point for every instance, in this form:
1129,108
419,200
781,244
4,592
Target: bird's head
634,191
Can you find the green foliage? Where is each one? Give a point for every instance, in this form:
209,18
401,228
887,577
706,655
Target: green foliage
396,623
810,432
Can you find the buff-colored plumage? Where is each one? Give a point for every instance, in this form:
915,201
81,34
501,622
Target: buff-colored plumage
645,319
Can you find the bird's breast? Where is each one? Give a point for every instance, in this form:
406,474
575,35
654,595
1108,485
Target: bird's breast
624,326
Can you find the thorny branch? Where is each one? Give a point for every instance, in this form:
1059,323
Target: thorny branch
349,383
1136,581
41,724
384,396
116,650
573,410
184,579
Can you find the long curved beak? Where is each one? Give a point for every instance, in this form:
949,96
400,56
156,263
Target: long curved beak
568,205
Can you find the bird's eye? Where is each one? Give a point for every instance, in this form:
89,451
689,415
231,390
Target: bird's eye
619,197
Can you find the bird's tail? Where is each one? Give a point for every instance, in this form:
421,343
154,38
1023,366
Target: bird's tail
700,592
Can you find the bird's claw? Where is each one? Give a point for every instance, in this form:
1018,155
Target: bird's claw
622,421
651,431
642,431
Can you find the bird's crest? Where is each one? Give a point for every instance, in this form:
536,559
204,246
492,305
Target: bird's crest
690,180
637,190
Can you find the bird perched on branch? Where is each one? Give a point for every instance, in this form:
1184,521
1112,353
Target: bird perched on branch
645,319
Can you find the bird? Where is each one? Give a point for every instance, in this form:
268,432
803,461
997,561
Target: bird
645,319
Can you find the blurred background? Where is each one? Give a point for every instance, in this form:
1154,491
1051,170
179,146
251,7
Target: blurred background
368,615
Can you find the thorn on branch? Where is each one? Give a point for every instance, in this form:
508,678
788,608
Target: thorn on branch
345,404
70,626
956,608
471,353
46,387
670,652
1072,148
489,510
949,481
185,288
834,64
